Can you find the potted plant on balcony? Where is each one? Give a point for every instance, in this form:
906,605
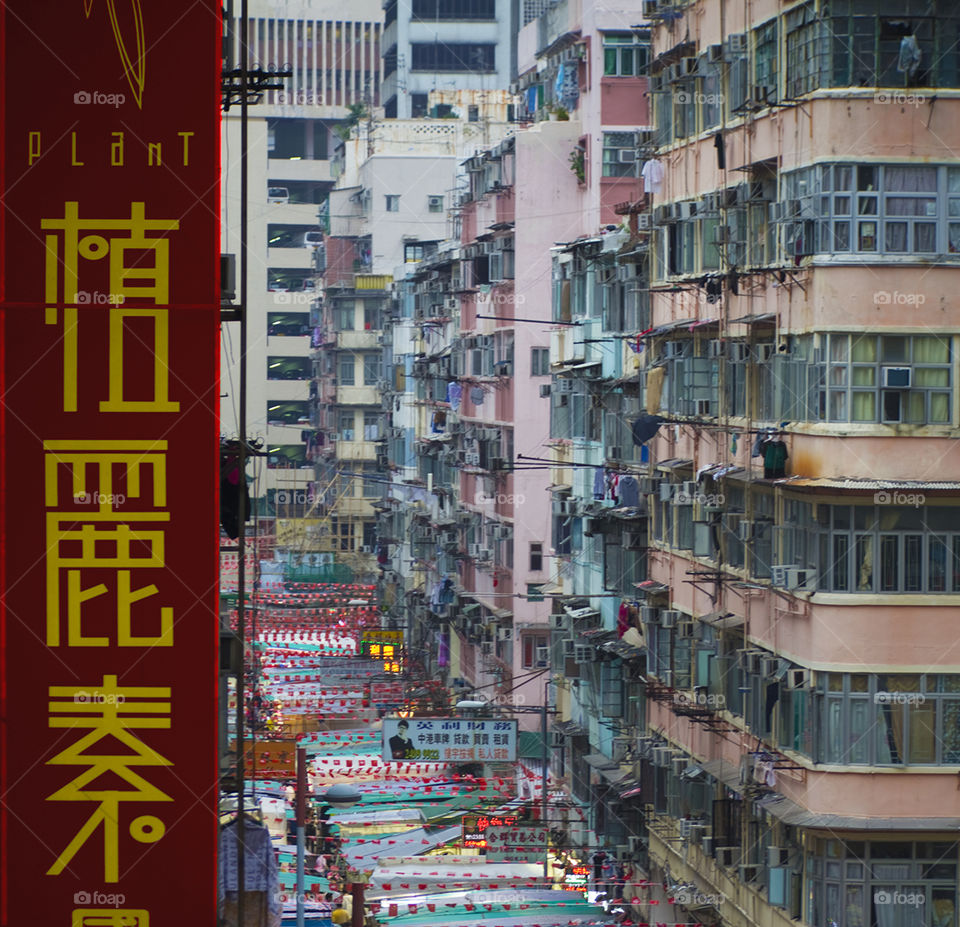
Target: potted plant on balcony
578,164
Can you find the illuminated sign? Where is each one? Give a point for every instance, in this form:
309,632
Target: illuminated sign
109,353
475,827
384,645
521,843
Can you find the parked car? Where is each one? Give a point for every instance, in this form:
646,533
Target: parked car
278,195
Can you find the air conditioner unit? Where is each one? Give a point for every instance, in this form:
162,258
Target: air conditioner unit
565,385
798,678
764,351
728,856
366,549
714,53
620,749
745,530
544,390
685,629
716,348
687,209
706,845
473,550
774,212
721,235
502,532
649,614
666,491
736,43
569,647
504,634
646,485
750,660
801,579
777,857
615,453
750,873
626,156
662,756
662,214
697,833
896,377
669,618
583,653
650,8
486,648
558,622
484,554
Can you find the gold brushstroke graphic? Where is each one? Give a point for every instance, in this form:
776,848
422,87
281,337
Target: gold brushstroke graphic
135,68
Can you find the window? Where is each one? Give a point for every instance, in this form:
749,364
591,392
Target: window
465,10
288,324
286,456
372,485
619,154
536,557
435,203
344,318
372,366
452,57
534,646
393,202
372,318
412,253
805,57
418,104
473,113
626,54
347,372
288,413
345,423
765,61
288,368
539,362
371,426
889,378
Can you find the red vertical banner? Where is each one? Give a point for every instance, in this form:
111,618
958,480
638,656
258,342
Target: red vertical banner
110,312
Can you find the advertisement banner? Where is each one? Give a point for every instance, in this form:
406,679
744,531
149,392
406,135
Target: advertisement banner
449,740
109,323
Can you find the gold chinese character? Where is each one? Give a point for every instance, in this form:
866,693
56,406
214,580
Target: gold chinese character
134,280
72,546
77,455
109,711
110,917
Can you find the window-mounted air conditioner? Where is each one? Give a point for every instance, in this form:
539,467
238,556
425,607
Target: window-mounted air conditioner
728,856
685,629
714,53
721,235
504,634
667,490
558,622
669,618
626,156
643,221
778,857
649,614
769,666
750,873
569,647
745,529
896,377
736,43
798,678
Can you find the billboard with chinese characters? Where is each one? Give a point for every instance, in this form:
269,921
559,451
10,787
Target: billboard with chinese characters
449,740
109,323
520,843
475,827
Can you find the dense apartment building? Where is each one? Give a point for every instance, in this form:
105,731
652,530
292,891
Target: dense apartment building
391,207
334,59
794,429
443,46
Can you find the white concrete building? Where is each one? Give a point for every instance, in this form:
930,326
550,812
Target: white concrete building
334,54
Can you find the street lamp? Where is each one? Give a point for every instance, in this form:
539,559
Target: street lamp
337,796
340,796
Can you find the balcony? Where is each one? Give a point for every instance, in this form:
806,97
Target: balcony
288,169
357,340
355,450
358,396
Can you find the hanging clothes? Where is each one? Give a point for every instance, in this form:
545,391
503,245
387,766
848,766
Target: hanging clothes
721,147
774,459
476,395
757,450
598,484
613,486
262,907
623,619
908,60
454,394
630,492
652,174
645,427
